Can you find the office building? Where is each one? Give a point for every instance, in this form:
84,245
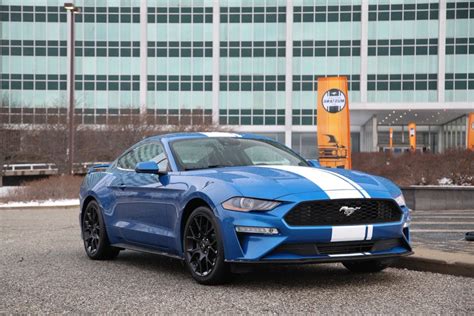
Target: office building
250,65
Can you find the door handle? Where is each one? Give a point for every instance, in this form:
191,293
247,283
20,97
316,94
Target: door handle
122,186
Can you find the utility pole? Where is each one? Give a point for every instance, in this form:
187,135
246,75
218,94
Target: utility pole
71,11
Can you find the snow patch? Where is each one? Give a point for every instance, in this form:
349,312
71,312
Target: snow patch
445,181
5,191
65,202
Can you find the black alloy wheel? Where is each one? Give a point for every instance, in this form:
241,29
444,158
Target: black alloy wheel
95,239
203,248
91,230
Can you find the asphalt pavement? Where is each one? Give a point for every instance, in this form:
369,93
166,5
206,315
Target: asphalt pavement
443,230
45,270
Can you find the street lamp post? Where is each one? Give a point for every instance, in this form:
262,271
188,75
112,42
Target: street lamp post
72,10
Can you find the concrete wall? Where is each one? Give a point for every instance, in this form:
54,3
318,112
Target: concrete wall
439,198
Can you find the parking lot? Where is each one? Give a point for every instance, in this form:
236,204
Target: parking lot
443,230
44,269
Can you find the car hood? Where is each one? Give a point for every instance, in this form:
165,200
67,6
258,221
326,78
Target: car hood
272,182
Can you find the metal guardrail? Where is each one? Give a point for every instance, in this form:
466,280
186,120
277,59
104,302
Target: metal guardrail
29,169
37,169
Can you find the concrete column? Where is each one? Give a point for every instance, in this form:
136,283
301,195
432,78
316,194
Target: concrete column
364,25
362,139
441,140
467,127
289,73
369,135
403,134
441,49
429,137
375,135
143,56
456,133
216,20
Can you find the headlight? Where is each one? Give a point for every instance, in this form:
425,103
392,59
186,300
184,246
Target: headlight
400,200
243,204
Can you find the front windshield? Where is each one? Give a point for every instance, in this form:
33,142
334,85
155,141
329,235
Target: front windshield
204,153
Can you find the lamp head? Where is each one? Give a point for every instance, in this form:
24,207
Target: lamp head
69,6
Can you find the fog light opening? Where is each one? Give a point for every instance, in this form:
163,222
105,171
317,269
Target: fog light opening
256,230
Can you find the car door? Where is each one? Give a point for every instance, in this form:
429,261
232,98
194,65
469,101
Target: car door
146,205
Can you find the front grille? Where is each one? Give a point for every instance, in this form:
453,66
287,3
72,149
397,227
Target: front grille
328,212
333,248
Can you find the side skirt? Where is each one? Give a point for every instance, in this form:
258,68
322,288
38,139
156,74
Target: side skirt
147,250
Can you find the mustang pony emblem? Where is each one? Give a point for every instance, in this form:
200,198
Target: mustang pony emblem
348,211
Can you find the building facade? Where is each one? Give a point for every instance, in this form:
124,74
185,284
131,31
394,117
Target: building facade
251,65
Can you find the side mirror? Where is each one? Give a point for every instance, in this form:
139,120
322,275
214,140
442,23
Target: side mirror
314,163
147,167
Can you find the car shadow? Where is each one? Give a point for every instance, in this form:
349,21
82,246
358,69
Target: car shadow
151,262
322,276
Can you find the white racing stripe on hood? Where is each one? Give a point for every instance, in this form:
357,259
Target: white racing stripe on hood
333,185
220,134
358,187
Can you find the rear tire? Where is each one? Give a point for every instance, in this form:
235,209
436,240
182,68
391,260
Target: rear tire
94,234
366,266
203,248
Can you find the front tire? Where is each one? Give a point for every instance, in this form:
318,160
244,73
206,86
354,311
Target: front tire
94,235
203,248
366,266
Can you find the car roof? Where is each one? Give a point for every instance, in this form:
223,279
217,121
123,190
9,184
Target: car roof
175,136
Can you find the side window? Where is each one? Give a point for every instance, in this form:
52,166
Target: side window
147,152
127,161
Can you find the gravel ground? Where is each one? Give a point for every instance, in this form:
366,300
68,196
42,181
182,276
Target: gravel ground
44,269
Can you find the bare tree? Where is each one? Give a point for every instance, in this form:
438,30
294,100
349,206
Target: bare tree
48,142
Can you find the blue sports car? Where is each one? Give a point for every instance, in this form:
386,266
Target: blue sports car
224,201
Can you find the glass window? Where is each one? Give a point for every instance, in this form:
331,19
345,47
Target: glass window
204,153
148,152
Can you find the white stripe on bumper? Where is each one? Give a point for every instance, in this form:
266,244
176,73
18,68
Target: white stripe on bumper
348,233
349,254
370,231
352,233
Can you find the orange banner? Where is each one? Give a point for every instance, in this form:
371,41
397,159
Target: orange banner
334,134
470,132
412,135
390,131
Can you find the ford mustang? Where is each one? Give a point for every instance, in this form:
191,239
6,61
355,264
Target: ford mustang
224,201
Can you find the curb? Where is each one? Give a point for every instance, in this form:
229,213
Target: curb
38,207
463,268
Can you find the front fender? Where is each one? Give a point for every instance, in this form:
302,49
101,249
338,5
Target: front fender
213,193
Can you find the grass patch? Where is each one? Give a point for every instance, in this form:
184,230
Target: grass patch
52,188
